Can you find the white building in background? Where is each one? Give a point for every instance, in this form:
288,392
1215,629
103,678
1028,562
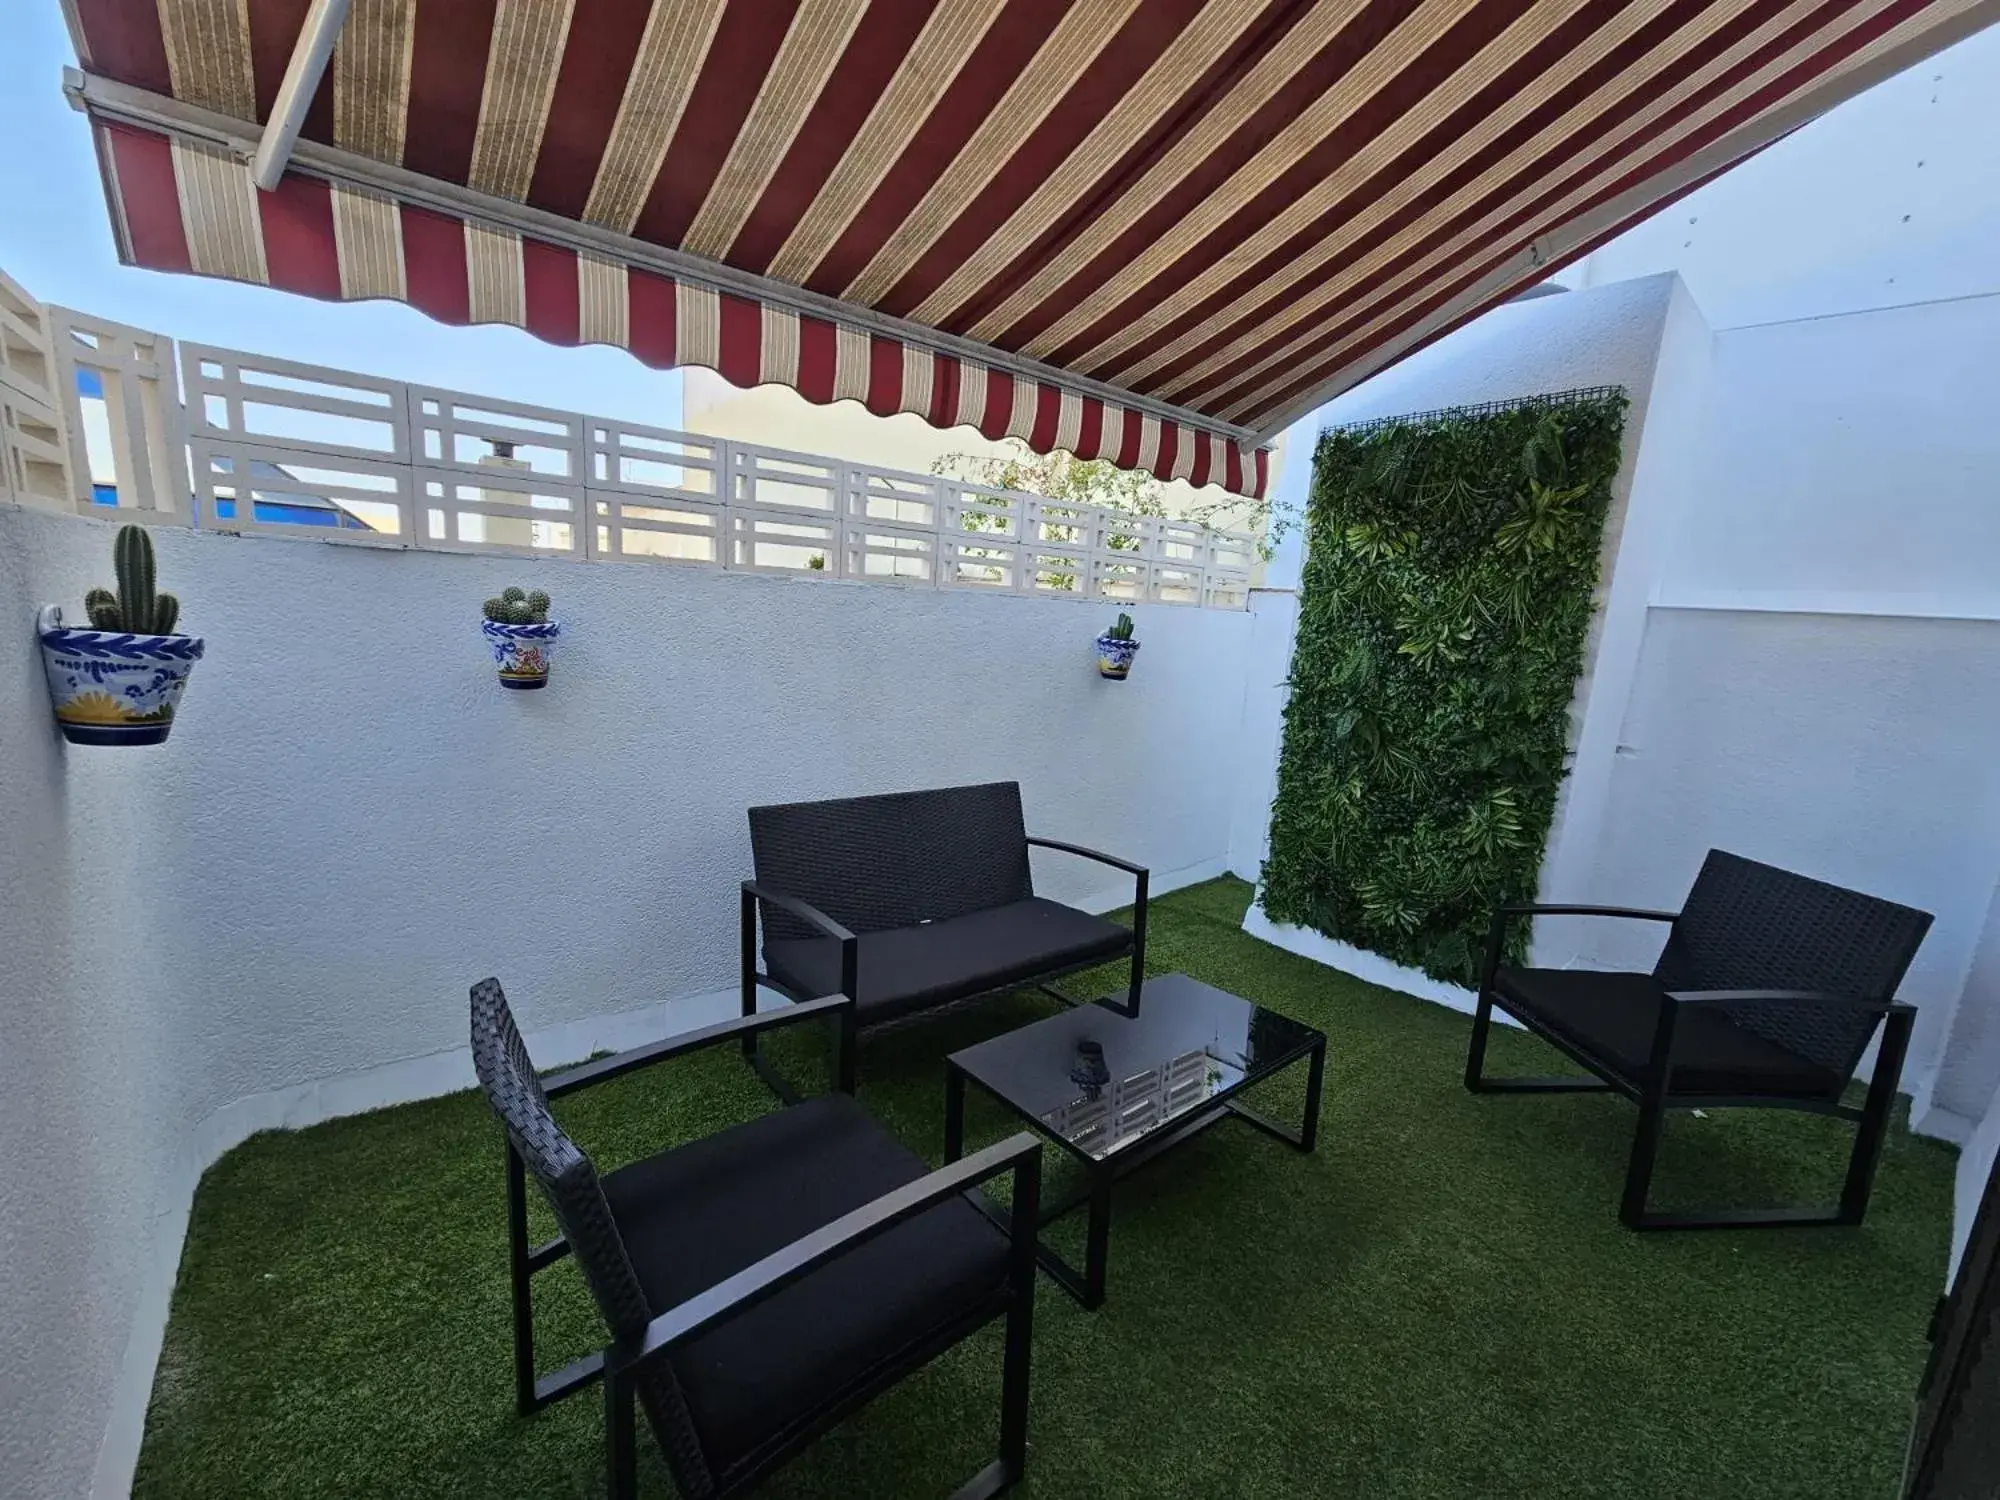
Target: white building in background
1799,654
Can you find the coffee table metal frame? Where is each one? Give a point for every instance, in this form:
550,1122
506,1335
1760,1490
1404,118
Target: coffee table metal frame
1087,1285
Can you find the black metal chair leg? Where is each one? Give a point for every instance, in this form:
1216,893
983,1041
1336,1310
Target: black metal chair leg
1475,1057
1645,1151
1020,1320
1875,1114
519,1272
620,1440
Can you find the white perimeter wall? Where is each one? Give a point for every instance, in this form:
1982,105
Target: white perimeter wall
353,822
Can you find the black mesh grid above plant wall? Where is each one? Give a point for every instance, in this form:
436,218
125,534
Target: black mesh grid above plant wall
1449,582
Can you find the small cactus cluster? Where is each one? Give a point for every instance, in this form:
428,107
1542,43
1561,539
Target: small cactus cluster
518,607
1122,631
137,608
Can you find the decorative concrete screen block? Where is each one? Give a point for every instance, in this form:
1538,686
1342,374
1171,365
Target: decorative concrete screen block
1050,571
261,488
1117,577
980,564
34,458
680,531
1175,584
1226,591
245,398
1183,542
655,461
1127,535
880,495
455,430
501,510
767,479
781,541
974,510
133,372
887,554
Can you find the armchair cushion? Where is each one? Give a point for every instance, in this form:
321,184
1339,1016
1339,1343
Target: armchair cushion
908,968
1611,1017
695,1215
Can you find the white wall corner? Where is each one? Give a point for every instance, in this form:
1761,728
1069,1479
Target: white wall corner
1662,441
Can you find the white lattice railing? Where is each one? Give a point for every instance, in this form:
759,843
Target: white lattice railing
278,448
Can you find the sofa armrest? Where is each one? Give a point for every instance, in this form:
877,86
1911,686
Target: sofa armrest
1079,850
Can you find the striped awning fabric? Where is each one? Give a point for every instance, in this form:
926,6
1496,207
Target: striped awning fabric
1148,230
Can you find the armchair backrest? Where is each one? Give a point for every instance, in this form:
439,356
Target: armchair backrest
876,863
1752,926
568,1180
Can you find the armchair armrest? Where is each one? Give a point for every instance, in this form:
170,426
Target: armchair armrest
1821,998
1020,1154
1496,936
1140,877
812,916
1077,849
1566,909
601,1069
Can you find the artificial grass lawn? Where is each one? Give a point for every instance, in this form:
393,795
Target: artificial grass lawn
1440,1302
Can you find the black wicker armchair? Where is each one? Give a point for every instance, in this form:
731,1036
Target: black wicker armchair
914,900
1766,994
762,1283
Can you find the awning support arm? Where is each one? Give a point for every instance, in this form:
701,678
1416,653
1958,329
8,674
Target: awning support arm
295,94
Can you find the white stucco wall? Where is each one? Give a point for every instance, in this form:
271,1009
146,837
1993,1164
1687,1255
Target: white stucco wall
1890,200
1820,683
353,822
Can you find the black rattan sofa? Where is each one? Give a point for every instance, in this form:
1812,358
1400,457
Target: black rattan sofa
762,1283
1767,993
912,900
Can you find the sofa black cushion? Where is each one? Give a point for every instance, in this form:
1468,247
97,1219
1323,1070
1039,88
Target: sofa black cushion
908,968
1610,1018
694,1215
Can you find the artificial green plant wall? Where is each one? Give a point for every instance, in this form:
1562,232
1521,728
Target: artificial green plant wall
1450,575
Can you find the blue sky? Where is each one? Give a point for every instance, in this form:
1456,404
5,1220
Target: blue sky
56,241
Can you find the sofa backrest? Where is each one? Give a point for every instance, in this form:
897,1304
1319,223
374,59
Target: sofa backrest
1752,926
875,863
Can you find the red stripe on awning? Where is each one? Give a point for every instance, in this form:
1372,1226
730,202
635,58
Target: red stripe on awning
299,245
550,298
653,305
143,168
434,258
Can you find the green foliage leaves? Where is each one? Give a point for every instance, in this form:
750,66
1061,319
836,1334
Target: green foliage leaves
1451,571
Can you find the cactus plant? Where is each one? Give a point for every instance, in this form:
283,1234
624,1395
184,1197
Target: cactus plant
1122,630
137,608
516,606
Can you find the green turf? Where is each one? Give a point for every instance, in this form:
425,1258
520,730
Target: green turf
1440,1302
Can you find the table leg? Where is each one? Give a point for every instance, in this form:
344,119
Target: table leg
1309,1129
954,1113
1097,1248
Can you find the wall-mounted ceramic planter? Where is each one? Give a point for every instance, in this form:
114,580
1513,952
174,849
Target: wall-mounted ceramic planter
522,652
1114,657
113,688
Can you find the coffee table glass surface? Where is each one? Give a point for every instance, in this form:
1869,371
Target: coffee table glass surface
1117,1089
1189,1045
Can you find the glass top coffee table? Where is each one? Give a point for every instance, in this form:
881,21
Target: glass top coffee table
1163,1076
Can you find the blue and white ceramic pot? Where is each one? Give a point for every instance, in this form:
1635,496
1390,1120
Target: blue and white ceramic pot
522,652
112,688
1114,657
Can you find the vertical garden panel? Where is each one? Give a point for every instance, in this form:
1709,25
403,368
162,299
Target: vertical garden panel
1450,579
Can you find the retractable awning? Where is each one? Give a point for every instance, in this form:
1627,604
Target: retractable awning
1148,230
